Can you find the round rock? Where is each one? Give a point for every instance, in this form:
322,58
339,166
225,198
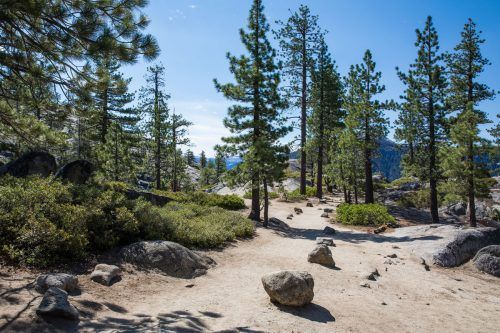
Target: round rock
55,303
321,255
292,288
488,260
105,274
62,281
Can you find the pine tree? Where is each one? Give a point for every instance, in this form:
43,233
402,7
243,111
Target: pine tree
179,137
190,158
115,162
426,76
154,105
367,112
410,130
112,97
203,160
299,40
48,42
326,101
254,120
465,65
220,165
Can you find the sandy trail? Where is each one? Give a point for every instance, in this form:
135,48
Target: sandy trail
406,298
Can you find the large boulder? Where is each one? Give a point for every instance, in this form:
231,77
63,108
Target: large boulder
465,245
167,257
77,172
457,209
33,163
488,260
105,274
55,303
321,255
293,288
62,281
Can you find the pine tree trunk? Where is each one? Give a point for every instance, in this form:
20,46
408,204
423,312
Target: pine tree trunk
368,168
157,135
104,119
349,197
471,186
345,193
432,152
255,209
303,118
266,204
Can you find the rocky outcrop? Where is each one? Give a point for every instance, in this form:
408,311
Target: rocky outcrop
105,274
62,281
293,288
465,245
55,303
321,255
34,163
488,260
76,172
167,257
155,199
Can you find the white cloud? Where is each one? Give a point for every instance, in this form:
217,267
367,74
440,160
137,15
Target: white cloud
206,116
193,6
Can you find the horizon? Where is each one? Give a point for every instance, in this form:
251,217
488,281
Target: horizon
194,37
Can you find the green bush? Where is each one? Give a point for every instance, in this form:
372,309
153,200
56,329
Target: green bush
230,201
39,224
363,214
418,199
296,196
191,224
272,195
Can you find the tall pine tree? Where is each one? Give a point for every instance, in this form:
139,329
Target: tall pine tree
254,119
299,38
426,77
465,65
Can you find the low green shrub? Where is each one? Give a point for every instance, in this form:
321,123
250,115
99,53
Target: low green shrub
418,199
39,224
296,196
401,181
230,201
193,225
363,214
45,222
272,195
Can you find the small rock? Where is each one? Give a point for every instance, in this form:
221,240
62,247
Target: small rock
55,303
384,303
189,285
328,210
105,274
488,260
289,217
389,262
321,255
298,210
293,288
62,281
373,275
394,255
392,224
380,229
365,285
329,230
325,215
309,204
325,241
395,247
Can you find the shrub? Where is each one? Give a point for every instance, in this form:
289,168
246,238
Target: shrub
363,214
418,199
39,224
230,201
296,196
191,224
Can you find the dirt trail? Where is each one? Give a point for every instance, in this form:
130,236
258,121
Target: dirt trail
406,298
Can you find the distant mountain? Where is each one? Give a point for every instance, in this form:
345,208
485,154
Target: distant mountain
388,161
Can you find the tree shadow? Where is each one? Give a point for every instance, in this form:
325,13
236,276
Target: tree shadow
312,312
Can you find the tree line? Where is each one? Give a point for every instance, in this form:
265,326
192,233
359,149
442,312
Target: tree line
341,119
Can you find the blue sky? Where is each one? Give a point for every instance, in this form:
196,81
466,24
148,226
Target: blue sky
194,36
